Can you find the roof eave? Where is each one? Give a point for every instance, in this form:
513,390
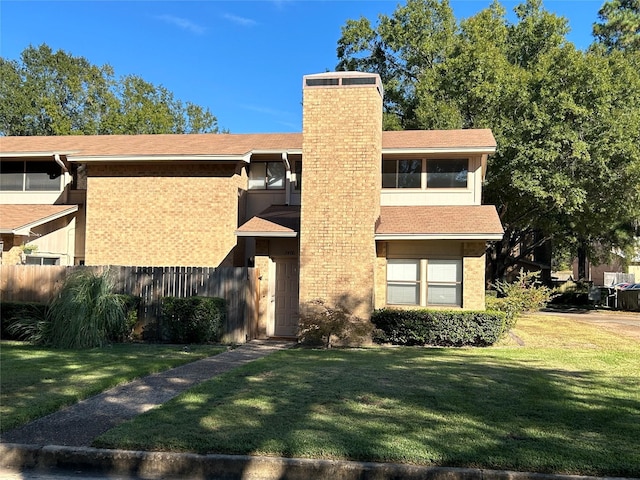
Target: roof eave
159,158
486,150
24,230
439,236
266,234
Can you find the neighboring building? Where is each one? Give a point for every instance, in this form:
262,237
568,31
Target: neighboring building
343,211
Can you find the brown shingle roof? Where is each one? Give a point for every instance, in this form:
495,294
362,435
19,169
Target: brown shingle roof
16,217
226,144
192,144
478,221
275,221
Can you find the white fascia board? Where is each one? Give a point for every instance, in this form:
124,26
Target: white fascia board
290,151
439,150
158,158
267,234
22,154
25,229
439,236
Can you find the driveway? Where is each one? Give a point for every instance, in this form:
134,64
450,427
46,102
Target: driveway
626,323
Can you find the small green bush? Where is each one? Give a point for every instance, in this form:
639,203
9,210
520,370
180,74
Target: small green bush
526,294
454,328
193,319
322,324
21,320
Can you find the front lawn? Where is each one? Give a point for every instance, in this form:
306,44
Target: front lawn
567,401
35,381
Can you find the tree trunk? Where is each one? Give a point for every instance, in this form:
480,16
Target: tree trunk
582,261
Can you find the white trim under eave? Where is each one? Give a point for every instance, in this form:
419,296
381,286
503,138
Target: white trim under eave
439,236
267,234
439,150
159,158
24,230
34,154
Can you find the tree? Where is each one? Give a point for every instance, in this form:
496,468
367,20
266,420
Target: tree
620,25
566,121
55,93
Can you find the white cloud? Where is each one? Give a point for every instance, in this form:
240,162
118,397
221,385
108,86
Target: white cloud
242,21
182,23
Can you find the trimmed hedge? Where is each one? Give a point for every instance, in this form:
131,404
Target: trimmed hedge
450,328
12,312
193,319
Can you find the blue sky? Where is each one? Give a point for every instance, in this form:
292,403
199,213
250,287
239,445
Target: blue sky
244,60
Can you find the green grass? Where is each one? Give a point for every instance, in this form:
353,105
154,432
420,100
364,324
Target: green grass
35,381
568,401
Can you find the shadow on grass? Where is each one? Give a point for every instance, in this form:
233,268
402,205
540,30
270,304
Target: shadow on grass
462,408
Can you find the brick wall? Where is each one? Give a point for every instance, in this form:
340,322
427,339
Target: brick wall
162,214
473,281
342,142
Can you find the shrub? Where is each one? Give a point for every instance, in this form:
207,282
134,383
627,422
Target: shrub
322,324
438,327
22,320
193,319
524,295
572,293
122,331
85,311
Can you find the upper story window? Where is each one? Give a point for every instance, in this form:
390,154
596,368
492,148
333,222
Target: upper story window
266,176
401,173
23,176
425,173
450,173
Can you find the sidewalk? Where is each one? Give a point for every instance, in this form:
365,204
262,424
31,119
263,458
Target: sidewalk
79,424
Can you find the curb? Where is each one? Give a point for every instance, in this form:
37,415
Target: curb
193,466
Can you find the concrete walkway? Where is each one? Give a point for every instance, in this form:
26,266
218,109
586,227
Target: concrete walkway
79,424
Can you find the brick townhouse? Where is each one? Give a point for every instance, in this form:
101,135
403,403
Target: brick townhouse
343,211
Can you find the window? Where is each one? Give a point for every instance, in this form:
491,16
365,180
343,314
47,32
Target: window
424,282
266,175
38,260
439,173
30,176
403,282
447,173
401,173
444,282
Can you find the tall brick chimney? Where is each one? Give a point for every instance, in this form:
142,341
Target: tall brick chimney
341,158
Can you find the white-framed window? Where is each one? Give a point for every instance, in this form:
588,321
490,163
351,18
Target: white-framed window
403,282
444,282
425,173
41,260
424,282
30,176
267,176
